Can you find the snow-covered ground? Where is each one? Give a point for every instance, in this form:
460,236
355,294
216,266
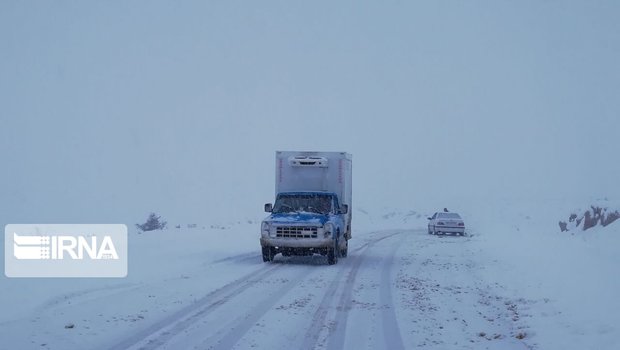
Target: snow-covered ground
515,282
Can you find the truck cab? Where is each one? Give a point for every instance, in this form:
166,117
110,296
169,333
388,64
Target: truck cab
307,218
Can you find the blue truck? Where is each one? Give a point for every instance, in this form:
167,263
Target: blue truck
312,210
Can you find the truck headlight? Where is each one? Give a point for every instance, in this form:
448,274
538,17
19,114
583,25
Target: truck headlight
328,229
265,227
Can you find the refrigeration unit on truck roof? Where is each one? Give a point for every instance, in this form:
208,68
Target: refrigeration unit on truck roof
314,171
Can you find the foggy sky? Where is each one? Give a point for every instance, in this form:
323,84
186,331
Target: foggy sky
109,110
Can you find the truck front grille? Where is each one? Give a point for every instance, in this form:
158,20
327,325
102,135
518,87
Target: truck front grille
297,231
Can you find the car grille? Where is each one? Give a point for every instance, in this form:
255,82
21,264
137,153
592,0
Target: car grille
297,231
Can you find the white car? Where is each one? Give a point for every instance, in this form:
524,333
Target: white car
444,223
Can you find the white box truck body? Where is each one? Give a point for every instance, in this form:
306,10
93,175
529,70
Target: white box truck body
312,212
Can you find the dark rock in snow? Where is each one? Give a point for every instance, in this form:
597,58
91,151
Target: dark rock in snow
590,218
563,226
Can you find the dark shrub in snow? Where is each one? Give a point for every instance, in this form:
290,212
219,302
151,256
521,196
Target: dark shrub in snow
154,222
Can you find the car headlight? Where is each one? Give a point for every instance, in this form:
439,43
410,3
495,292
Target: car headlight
328,229
265,227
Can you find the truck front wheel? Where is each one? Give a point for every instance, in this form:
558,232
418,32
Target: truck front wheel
268,254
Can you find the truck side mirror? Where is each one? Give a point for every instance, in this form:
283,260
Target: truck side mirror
344,209
268,207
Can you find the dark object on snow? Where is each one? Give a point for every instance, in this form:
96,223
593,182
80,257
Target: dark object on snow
611,217
600,216
592,217
563,226
445,210
154,222
69,326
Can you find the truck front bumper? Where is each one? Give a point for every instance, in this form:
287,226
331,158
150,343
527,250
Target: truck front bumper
297,242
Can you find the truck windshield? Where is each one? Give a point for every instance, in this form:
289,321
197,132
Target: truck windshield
313,203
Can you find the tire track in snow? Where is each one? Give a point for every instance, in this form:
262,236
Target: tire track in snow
162,331
245,322
318,319
311,337
238,258
338,334
391,331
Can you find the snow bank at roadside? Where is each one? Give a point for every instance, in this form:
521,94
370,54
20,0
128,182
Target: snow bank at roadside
568,280
167,269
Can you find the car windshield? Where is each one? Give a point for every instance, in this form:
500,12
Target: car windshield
313,203
449,216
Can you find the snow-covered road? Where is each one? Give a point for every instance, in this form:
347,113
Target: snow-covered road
207,288
396,290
